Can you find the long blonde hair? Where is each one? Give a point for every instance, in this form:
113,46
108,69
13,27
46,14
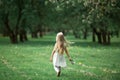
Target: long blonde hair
61,42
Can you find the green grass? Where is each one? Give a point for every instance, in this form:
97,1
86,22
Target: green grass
30,60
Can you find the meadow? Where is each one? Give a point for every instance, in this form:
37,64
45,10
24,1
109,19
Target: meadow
30,60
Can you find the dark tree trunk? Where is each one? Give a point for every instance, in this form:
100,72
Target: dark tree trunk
12,35
23,35
17,25
20,13
21,38
104,34
34,34
108,37
13,38
99,37
85,33
41,34
40,30
93,35
22,31
93,32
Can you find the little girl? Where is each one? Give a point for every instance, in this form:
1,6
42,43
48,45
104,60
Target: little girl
57,54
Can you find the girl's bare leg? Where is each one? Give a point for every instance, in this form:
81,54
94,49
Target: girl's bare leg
58,70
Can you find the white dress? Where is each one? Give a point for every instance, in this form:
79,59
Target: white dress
59,60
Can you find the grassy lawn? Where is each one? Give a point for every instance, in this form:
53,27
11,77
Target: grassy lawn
30,60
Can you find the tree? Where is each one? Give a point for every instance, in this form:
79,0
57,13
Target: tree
12,12
99,16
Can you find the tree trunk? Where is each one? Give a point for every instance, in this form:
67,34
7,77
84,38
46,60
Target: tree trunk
13,38
99,37
17,26
22,35
85,33
25,35
108,37
21,38
93,35
34,34
104,34
41,34
12,35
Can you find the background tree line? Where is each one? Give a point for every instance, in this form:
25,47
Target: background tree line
101,17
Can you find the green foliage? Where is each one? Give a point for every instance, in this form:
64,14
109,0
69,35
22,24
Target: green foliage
61,14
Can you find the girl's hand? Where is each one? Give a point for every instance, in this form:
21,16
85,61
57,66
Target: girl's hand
70,59
72,62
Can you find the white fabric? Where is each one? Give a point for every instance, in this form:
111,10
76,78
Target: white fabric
59,60
56,69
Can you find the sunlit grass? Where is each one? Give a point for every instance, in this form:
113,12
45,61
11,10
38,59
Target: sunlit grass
30,60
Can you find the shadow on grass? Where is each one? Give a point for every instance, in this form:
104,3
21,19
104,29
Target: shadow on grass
95,44
30,42
78,76
51,41
40,43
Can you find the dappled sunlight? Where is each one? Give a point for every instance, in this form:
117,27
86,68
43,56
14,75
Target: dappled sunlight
13,68
82,71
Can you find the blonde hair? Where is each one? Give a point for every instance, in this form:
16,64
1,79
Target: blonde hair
61,42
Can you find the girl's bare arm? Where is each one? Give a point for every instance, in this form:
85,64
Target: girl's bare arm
51,57
67,53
